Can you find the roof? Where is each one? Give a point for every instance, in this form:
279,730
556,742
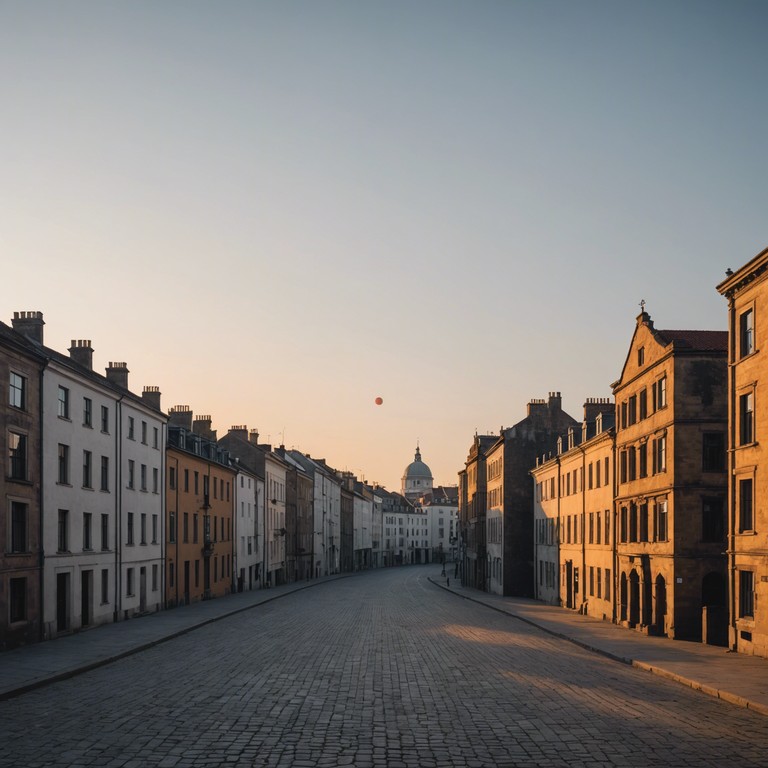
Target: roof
704,341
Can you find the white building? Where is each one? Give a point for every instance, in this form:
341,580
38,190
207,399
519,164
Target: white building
102,492
247,537
363,530
274,540
417,479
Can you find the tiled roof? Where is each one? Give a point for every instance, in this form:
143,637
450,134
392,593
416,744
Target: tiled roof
701,340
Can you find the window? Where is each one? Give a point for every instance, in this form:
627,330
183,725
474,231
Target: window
129,539
632,456
746,505
105,473
598,532
194,528
607,526
607,583
87,412
624,529
746,418
643,522
87,531
746,333
171,527
171,573
643,403
185,528
660,393
63,403
661,521
746,594
143,528
130,428
131,473
63,464
597,474
105,532
143,477
129,581
104,586
18,538
623,467
642,453
712,519
17,456
641,356
713,452
87,466
172,478
186,480
659,455
17,391
155,437
155,480
154,577
63,542
144,432
633,522
154,529
105,419
197,482
17,600
632,410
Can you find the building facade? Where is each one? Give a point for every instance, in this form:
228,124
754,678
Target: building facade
671,483
747,293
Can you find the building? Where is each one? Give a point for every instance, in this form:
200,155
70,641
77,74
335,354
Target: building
200,511
747,293
573,504
671,405
21,573
498,531
417,478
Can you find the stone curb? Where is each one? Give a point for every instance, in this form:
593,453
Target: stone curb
716,693
88,666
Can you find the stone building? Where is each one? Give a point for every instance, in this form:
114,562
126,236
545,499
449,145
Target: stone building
21,367
573,511
417,478
747,294
671,405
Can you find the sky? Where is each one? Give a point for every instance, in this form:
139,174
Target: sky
280,211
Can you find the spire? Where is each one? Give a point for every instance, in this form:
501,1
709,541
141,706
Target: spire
418,453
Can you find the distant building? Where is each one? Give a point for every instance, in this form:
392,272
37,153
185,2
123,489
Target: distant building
417,479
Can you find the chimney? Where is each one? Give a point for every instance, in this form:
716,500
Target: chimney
253,437
180,416
241,431
536,405
117,373
202,426
595,405
151,396
81,353
29,324
555,402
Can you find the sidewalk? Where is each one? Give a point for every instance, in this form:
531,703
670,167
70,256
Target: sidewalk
733,677
33,666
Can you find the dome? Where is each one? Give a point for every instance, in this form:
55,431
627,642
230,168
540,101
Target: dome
417,478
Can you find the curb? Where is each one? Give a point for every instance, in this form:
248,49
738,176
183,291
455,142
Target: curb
716,693
91,665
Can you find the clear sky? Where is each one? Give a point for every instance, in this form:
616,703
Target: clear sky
278,211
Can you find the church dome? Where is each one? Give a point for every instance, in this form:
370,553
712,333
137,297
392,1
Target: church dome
417,478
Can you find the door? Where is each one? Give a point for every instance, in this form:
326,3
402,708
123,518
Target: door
569,583
86,598
62,602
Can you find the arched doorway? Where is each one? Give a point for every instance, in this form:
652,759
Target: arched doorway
660,606
623,597
634,599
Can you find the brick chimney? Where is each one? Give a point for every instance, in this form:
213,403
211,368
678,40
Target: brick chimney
151,396
181,416
253,437
595,405
202,426
117,373
81,353
240,431
555,402
29,324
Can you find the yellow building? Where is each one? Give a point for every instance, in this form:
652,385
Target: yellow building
671,483
747,294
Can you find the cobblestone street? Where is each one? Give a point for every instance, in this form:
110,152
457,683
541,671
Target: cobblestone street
381,669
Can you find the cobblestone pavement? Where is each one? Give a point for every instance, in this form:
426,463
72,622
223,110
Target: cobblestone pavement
383,669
